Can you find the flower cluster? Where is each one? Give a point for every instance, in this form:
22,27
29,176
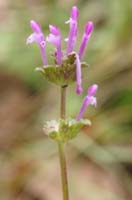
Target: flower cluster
55,39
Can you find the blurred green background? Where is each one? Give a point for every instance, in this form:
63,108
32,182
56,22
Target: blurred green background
100,158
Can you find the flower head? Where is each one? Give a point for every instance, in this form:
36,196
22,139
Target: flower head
38,37
89,99
55,38
68,65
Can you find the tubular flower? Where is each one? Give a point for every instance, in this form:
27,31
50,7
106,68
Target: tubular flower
38,37
78,75
73,29
86,36
89,99
55,38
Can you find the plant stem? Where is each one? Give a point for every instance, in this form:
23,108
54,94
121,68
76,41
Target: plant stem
61,148
63,171
63,103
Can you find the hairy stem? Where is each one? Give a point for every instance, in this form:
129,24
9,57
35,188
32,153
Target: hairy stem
61,148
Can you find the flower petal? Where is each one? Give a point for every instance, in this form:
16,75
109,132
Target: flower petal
31,39
35,27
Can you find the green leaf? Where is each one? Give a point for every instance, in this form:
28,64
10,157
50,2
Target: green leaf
63,74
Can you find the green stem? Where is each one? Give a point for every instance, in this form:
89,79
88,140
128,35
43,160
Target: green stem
63,103
61,148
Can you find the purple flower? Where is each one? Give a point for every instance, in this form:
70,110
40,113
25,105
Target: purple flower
38,37
86,36
78,75
73,29
89,99
55,38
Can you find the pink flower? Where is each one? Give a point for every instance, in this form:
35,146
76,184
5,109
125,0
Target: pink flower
73,29
38,37
78,75
86,36
55,38
89,99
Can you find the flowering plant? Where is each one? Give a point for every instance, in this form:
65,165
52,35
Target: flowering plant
65,70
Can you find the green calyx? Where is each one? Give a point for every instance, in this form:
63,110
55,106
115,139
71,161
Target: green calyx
64,130
64,74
